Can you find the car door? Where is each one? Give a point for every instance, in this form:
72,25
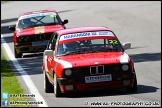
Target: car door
50,58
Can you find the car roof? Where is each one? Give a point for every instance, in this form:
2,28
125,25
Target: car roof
38,11
82,29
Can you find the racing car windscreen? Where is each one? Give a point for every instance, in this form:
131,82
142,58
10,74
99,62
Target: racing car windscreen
28,21
92,45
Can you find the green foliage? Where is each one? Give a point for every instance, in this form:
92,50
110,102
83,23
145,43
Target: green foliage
10,83
2,2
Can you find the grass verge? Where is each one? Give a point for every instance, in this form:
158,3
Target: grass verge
10,85
2,2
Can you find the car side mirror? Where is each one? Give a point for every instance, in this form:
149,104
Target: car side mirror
48,52
127,45
12,28
65,21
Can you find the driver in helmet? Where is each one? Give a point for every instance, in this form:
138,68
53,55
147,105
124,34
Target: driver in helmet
71,46
26,23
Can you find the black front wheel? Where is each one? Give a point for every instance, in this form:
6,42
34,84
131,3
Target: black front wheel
134,87
48,87
57,90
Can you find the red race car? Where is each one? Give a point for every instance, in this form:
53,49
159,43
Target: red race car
87,58
34,29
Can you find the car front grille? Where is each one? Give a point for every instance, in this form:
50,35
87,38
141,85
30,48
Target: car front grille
102,69
35,37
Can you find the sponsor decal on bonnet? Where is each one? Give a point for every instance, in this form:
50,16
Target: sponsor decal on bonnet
39,30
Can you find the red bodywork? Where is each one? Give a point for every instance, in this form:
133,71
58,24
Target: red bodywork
80,65
31,31
34,38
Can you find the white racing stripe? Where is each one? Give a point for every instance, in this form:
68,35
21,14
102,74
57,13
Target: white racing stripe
66,64
124,58
25,76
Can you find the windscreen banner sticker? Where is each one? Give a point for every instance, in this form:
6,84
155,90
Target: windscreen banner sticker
38,14
86,34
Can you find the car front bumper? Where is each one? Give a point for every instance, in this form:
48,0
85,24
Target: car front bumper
78,84
28,48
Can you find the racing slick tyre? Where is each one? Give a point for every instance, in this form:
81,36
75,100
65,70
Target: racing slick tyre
57,90
48,87
134,87
17,55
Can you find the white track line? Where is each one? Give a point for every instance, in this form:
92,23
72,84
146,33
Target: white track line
25,76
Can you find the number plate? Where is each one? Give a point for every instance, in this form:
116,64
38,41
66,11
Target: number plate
38,43
99,78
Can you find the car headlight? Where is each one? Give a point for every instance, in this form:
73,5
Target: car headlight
26,38
21,39
125,67
68,72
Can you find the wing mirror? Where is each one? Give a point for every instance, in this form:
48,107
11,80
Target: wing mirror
12,28
48,52
127,45
65,21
